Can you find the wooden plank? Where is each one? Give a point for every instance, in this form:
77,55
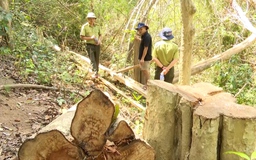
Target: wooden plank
127,68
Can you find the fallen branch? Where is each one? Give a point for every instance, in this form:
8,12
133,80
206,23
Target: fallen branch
240,90
35,86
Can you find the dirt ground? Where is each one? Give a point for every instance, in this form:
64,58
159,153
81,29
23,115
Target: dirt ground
23,112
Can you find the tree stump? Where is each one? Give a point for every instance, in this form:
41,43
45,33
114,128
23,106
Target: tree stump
197,122
92,135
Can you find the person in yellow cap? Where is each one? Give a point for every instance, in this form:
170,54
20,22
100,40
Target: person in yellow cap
165,55
91,33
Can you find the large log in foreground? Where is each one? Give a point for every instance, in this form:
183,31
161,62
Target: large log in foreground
94,135
197,122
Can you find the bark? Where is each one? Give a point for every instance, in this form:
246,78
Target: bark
5,5
138,75
196,122
93,135
187,11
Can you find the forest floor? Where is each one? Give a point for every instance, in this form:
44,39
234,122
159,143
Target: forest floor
24,111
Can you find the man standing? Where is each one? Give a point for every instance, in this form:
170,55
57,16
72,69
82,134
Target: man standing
165,55
91,33
145,51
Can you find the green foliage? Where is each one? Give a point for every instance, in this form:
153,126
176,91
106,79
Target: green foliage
236,77
36,57
243,155
5,18
139,98
116,113
136,96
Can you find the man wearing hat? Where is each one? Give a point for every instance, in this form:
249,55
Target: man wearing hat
145,51
91,34
165,55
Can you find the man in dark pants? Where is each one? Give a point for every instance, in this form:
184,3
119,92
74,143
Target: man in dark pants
145,51
165,55
91,33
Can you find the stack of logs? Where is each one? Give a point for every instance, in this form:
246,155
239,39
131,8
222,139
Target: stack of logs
94,134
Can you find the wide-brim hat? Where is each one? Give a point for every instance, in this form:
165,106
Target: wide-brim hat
140,25
166,34
90,15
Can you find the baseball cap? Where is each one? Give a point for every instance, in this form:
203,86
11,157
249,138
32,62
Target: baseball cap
140,25
166,34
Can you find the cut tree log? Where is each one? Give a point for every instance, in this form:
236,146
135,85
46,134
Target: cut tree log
94,135
197,122
50,145
129,82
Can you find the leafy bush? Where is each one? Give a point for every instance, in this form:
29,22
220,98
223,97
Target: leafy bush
236,77
35,56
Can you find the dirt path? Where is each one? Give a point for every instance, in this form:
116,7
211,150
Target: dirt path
24,111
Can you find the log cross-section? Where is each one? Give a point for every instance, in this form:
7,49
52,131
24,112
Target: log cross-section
94,134
197,122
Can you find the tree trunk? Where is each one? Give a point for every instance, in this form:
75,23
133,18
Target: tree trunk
94,134
197,122
138,75
203,65
187,11
5,5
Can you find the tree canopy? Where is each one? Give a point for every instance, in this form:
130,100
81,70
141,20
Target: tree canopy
37,25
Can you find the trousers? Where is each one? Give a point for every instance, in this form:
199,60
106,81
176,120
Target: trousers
94,55
168,77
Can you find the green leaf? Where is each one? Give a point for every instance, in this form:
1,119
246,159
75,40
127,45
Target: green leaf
117,110
240,154
253,155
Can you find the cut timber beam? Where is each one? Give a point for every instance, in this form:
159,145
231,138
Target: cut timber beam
134,103
128,68
129,82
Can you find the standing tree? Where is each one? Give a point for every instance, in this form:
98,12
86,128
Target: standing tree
7,31
187,10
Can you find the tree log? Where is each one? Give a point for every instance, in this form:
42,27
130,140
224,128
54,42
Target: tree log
197,122
94,135
129,82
